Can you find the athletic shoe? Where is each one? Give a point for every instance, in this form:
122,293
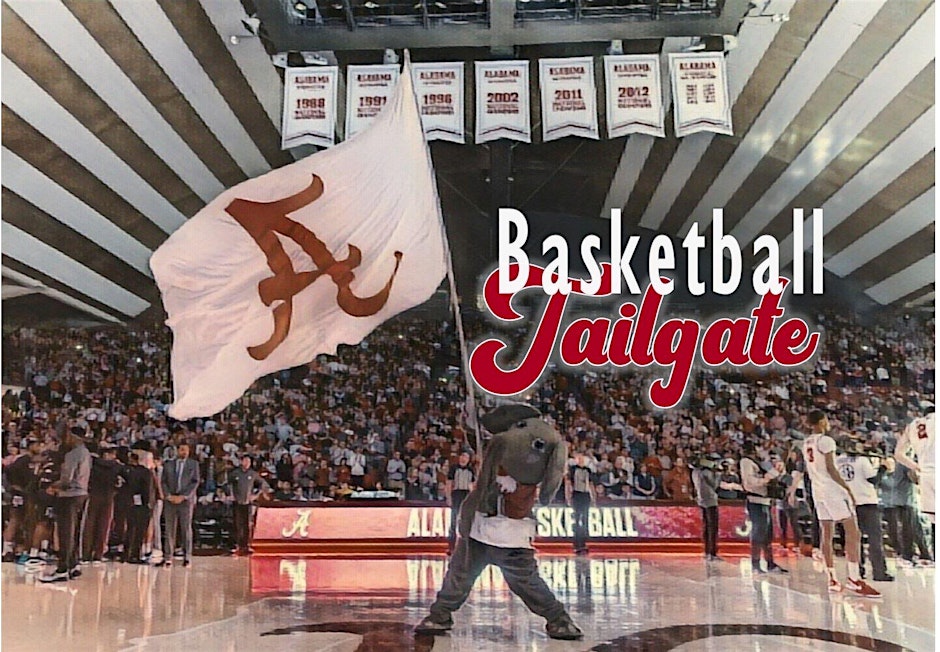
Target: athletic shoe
75,572
22,559
884,578
433,626
861,589
563,629
835,586
34,565
778,570
55,577
757,570
8,558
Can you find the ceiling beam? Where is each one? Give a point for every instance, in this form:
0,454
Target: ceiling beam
31,251
38,287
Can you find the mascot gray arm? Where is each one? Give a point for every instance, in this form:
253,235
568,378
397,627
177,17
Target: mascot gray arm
555,469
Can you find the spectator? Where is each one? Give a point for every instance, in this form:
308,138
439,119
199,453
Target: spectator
678,483
644,484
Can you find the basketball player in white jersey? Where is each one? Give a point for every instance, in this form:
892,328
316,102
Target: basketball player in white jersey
834,504
919,436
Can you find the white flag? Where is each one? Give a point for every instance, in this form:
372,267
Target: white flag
700,93
284,267
309,106
569,98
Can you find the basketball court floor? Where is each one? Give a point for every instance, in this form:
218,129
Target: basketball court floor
644,602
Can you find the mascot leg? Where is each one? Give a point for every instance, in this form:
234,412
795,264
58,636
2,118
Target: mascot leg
522,575
466,564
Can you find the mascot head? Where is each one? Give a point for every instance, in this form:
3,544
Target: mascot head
525,448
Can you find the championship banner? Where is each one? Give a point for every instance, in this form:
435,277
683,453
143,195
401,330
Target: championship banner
368,89
700,93
502,101
569,98
634,95
439,89
309,107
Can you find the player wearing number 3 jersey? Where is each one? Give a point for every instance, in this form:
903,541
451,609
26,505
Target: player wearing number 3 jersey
834,504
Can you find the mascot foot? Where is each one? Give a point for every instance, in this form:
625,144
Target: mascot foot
434,626
564,629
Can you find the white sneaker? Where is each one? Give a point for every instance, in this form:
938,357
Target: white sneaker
55,577
34,565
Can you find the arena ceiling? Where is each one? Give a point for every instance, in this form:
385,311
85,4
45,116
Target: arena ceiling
121,119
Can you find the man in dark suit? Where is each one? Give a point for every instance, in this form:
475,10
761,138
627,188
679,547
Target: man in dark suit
140,485
180,480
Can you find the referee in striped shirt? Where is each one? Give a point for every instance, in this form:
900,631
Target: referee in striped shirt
460,482
580,493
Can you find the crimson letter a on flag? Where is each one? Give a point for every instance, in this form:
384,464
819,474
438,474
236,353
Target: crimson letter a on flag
286,266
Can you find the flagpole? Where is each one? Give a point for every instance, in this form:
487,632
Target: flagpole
471,406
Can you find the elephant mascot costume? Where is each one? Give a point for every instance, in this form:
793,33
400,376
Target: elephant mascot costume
526,457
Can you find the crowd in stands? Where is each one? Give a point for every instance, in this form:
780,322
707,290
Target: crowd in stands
390,413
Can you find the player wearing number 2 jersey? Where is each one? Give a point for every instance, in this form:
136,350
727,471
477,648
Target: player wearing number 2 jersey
919,436
834,504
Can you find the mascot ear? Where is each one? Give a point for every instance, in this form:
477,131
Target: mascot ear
554,473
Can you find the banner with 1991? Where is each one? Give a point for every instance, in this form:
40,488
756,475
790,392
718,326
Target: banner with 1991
368,89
